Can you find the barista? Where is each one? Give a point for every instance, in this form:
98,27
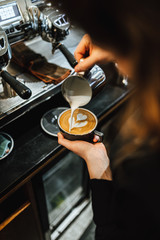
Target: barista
125,185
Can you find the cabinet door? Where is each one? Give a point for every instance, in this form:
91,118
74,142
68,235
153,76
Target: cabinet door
20,225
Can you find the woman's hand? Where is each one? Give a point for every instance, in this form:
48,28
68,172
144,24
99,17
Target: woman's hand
95,156
91,54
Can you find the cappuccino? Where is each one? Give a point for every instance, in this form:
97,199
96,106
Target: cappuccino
83,121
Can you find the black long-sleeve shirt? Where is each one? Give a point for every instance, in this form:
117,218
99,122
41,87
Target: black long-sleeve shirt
129,206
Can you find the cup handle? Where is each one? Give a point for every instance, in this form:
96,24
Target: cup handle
98,136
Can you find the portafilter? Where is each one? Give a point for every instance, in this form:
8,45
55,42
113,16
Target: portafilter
5,56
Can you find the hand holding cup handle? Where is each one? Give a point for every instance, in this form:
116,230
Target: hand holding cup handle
86,133
98,136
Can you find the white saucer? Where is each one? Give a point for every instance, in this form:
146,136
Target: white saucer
49,121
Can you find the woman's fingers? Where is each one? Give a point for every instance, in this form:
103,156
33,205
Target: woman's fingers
78,147
84,48
91,54
86,64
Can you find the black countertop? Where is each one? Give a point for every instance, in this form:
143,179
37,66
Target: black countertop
33,147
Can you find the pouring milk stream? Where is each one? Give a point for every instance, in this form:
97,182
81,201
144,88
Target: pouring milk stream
77,91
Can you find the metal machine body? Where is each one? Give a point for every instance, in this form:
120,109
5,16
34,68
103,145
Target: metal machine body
5,51
23,20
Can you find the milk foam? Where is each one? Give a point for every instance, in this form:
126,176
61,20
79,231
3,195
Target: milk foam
80,117
75,102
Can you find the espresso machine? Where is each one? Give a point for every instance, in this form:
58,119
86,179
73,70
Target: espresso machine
39,26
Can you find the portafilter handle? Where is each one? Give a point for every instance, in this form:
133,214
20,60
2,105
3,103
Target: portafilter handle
5,56
22,90
68,55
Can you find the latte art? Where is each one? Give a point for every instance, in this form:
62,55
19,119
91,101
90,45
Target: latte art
83,121
81,117
79,122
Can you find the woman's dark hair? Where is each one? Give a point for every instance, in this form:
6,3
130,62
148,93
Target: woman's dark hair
131,29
